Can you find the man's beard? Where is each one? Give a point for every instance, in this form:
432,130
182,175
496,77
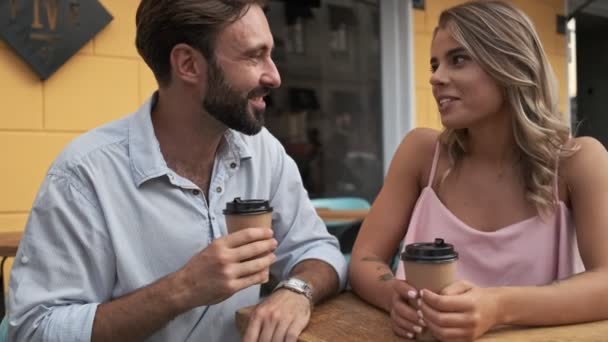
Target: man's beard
229,106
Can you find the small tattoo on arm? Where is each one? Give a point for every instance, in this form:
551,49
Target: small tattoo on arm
383,268
386,277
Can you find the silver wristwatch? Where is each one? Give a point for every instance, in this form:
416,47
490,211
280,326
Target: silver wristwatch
296,285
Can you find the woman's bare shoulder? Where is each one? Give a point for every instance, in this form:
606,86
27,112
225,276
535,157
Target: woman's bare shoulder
589,158
416,150
421,139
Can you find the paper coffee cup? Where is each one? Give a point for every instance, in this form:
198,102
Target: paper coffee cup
431,266
251,213
240,214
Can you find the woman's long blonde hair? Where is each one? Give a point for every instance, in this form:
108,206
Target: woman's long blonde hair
502,39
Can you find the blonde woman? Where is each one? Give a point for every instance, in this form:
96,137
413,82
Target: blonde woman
504,182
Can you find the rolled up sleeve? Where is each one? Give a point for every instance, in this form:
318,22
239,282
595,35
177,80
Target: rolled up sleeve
299,230
64,266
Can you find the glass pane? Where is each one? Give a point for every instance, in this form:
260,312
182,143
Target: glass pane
592,72
328,112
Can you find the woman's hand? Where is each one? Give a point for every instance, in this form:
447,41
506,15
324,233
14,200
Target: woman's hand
462,312
406,322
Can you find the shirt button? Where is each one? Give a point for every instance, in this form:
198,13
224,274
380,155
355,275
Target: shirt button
195,192
218,189
25,259
232,165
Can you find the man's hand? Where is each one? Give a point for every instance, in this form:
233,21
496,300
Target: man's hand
281,317
462,312
226,266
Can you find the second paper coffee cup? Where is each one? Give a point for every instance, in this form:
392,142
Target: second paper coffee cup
247,213
431,266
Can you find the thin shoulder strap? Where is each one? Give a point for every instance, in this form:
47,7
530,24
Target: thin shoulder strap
434,167
556,181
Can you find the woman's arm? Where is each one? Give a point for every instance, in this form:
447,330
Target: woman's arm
386,224
583,297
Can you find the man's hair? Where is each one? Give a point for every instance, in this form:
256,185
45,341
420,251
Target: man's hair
162,24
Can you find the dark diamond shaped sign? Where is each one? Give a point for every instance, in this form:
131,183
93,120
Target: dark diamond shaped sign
46,33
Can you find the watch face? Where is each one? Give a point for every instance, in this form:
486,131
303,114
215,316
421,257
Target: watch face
297,282
298,286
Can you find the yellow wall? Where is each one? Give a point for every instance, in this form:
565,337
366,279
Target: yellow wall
542,12
103,81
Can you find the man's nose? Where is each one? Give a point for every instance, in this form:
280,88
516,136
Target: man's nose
271,77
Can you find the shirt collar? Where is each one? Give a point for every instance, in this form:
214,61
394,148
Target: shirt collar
146,158
147,161
237,144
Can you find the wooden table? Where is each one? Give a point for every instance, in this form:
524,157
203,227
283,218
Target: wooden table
348,318
342,215
9,241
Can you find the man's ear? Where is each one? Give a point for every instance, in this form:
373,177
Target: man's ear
187,63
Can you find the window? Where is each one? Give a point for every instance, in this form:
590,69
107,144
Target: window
327,113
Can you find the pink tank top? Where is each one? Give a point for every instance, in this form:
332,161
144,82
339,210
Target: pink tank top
530,252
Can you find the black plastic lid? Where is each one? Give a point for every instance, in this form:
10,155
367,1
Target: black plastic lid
244,207
430,252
